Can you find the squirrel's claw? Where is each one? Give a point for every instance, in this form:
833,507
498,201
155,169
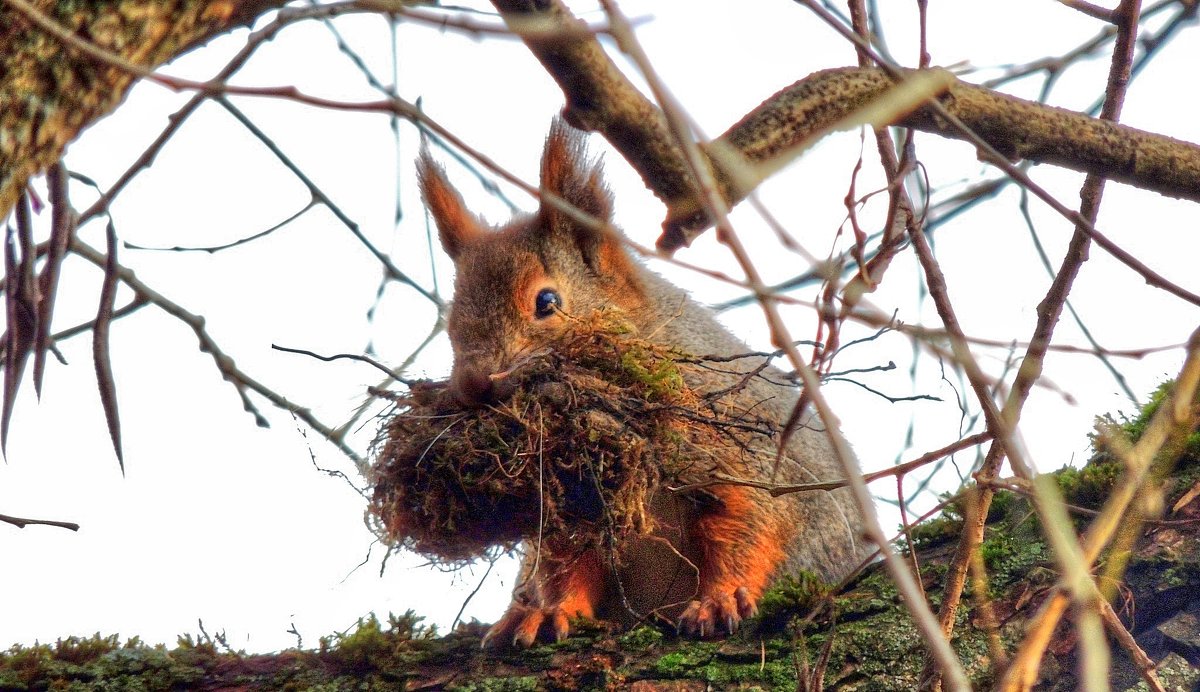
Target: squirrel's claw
521,625
702,617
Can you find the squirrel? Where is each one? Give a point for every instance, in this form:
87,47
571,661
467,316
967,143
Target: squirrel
707,564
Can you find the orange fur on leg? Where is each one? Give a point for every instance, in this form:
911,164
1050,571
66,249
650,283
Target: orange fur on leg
565,589
740,549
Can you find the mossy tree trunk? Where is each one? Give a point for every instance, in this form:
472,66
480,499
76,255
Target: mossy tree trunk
874,643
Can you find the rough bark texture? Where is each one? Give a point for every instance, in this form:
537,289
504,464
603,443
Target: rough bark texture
600,98
51,91
1017,128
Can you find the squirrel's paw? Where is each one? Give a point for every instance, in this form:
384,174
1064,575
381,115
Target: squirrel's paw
521,625
703,617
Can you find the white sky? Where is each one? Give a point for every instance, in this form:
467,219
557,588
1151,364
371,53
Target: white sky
217,520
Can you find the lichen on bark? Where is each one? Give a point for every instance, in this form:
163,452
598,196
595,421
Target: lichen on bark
51,91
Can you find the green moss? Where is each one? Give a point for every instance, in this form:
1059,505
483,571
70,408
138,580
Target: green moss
1175,673
885,650
1186,449
1090,485
1003,504
792,596
1135,426
371,647
688,658
1178,575
1179,457
874,593
499,684
640,638
1010,559
937,530
948,525
96,662
733,663
155,668
660,376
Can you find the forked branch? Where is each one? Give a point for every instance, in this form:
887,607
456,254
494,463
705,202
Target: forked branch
600,98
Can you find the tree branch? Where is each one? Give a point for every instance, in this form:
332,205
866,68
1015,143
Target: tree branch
602,99
52,90
241,381
21,522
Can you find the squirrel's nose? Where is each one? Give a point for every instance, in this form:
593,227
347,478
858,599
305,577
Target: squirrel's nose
472,387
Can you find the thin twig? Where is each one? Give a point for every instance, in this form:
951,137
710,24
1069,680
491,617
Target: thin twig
1146,666
1174,413
285,17
241,241
392,270
129,308
715,205
991,155
21,523
1099,351
101,357
1048,314
348,356
778,489
242,382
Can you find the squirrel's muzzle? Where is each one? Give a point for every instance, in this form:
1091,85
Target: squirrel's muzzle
475,387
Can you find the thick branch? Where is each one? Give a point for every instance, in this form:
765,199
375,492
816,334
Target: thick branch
1017,128
600,98
52,92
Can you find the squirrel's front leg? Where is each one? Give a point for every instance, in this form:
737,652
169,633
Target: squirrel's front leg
740,545
556,591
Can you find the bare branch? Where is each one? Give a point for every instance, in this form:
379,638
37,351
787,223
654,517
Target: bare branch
100,354
286,17
241,241
1049,312
392,270
21,523
241,381
347,356
160,32
600,98
62,227
1101,13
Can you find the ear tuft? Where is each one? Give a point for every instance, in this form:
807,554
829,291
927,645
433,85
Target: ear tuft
567,173
456,226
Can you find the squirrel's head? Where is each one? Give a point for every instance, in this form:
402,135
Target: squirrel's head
517,284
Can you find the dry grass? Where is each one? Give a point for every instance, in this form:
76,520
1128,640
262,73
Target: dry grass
598,422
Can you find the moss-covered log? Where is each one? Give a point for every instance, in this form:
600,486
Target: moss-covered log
874,644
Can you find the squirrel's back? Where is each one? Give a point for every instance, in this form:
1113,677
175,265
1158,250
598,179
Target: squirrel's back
828,541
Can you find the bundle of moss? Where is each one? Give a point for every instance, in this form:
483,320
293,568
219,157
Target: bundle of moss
595,425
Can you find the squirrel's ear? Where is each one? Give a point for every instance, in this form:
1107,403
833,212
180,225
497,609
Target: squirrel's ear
567,173
456,226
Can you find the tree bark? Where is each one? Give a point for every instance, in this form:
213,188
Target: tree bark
51,91
874,645
600,98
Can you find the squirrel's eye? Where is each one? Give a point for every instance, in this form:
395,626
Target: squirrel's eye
547,302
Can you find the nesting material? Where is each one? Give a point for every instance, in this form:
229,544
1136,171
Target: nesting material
597,423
